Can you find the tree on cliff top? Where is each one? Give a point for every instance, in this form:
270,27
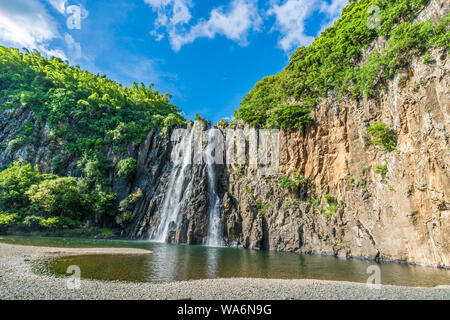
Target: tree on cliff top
332,62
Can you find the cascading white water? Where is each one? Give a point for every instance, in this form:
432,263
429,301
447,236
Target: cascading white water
179,189
214,237
176,194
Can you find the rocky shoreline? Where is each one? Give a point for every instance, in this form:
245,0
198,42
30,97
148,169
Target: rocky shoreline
17,281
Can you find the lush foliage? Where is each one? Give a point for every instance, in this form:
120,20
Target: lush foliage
383,135
332,207
54,223
223,123
382,170
14,182
126,207
332,62
62,197
83,110
290,116
88,115
293,183
126,167
35,200
7,219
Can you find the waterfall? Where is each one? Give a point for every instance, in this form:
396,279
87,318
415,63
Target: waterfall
214,237
177,191
180,186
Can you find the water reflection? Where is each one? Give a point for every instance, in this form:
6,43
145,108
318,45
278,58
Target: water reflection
182,262
164,263
212,262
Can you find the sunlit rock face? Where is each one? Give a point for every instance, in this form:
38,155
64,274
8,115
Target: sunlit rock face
402,217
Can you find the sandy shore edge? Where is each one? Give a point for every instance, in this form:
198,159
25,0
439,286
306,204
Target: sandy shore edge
17,281
62,251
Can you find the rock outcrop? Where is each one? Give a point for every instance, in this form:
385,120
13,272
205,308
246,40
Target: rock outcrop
404,216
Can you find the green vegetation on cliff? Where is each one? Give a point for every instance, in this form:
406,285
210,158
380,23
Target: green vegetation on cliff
87,115
84,111
332,64
32,201
382,135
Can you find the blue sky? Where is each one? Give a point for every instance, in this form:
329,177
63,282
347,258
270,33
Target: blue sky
206,54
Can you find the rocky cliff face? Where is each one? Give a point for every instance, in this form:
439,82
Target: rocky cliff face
404,216
152,155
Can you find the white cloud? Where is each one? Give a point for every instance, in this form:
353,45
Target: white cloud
332,11
181,12
233,22
73,47
170,12
291,15
25,23
236,19
290,21
59,5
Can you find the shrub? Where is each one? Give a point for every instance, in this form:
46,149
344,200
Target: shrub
223,123
198,117
241,171
382,135
382,170
32,222
8,219
126,167
291,184
126,207
61,197
94,167
292,116
56,164
332,205
33,195
125,219
103,201
54,223
173,119
328,197
16,144
285,182
14,182
262,207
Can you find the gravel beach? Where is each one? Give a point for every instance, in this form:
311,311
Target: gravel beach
17,281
